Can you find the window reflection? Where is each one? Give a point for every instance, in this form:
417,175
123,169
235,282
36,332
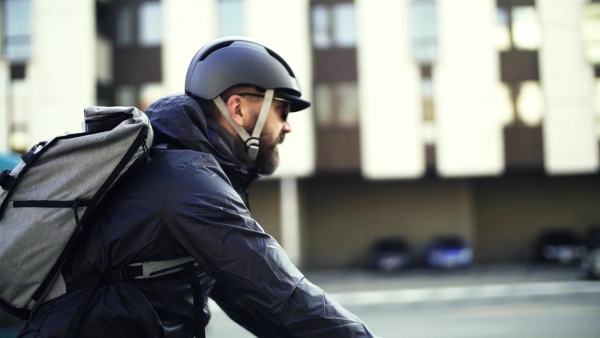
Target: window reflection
150,92
149,24
597,104
18,109
231,17
323,103
17,29
530,103
139,25
347,103
344,29
503,42
518,37
525,28
336,103
423,30
505,106
334,25
125,96
124,26
320,27
427,97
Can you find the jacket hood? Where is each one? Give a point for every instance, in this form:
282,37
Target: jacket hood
179,121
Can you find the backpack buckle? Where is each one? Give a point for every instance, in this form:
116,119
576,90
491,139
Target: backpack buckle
6,180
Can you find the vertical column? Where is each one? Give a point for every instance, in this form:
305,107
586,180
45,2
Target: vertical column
289,36
388,85
570,144
4,88
187,26
290,216
469,130
62,69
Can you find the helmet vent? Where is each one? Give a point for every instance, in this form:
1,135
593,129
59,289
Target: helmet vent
282,61
215,48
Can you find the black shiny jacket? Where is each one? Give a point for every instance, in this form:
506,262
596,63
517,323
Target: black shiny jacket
187,201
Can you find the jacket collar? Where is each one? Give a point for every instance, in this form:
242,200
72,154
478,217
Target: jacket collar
180,121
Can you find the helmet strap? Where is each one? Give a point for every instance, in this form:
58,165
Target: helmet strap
251,142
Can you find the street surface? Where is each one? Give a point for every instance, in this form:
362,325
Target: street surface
500,301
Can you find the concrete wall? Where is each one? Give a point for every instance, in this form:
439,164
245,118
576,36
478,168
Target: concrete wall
512,211
346,215
265,206
342,216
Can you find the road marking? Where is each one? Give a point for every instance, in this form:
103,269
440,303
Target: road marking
464,293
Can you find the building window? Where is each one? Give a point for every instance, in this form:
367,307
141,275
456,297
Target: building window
18,110
149,24
231,17
526,31
518,37
597,103
139,24
423,31
336,104
124,36
334,25
125,95
428,111
518,28
148,93
141,96
17,30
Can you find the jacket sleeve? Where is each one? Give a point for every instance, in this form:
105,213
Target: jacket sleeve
211,222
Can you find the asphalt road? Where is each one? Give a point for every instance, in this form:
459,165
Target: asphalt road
510,301
498,301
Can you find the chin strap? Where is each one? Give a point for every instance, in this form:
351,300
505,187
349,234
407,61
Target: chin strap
252,142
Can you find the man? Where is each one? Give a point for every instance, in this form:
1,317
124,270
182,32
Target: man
210,144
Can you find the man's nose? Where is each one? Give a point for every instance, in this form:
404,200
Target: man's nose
287,127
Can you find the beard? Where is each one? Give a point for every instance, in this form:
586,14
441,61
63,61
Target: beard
267,159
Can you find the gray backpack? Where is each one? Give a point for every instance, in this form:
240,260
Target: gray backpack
48,200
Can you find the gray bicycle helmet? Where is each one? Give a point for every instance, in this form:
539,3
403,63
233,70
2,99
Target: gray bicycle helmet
230,61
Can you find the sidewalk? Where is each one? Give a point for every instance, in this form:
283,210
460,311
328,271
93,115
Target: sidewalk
356,280
478,283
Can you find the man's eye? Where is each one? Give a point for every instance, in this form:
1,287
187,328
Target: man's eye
285,110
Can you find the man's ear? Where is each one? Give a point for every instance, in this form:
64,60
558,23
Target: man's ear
234,105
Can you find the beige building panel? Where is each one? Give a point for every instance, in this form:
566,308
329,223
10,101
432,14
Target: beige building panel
570,140
289,36
392,143
187,26
466,76
61,72
4,88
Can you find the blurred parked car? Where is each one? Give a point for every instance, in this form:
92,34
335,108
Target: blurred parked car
590,263
9,325
390,254
9,161
449,251
559,246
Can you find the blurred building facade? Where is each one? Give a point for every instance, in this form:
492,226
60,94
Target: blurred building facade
471,117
